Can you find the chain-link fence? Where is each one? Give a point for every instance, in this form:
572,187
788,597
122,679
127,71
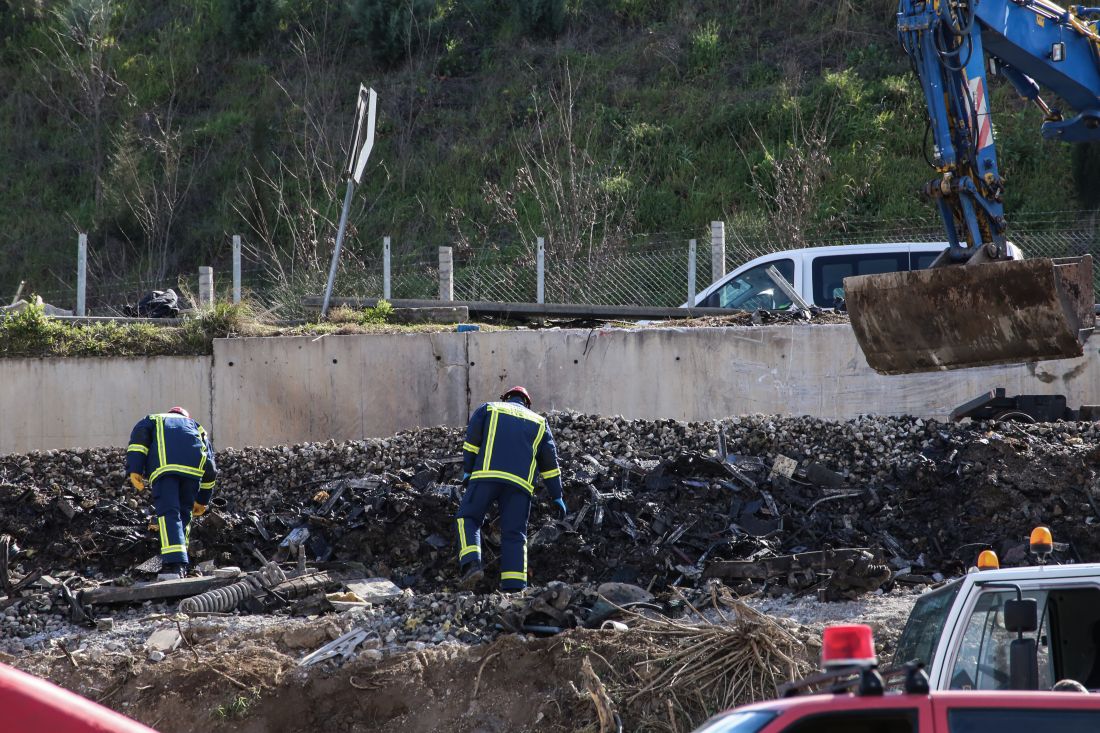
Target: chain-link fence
655,272
651,271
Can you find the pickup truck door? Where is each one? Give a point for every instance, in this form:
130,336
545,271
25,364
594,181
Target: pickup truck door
852,714
1068,636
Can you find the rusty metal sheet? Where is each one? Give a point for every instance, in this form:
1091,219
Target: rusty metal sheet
972,315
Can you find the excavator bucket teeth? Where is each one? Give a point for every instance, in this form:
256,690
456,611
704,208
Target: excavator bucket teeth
972,315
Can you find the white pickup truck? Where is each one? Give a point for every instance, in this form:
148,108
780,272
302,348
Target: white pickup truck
958,630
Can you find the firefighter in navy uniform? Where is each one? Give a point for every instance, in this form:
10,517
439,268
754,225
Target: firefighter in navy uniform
506,445
174,452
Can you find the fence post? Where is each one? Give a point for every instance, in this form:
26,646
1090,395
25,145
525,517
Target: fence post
206,287
81,274
236,268
691,272
717,250
386,268
540,265
446,274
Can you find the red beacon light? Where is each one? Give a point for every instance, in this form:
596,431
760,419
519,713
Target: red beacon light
848,646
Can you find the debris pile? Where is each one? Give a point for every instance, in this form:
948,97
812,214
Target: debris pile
795,504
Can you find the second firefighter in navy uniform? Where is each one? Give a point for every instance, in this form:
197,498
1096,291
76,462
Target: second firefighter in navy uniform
174,452
507,445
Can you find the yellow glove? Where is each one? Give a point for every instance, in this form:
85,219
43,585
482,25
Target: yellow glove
137,481
198,510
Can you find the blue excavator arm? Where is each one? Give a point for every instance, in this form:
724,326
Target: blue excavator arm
994,310
1035,44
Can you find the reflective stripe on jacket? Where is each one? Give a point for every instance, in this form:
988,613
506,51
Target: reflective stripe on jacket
171,443
507,442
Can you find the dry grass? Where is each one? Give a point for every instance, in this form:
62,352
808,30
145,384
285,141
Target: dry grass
688,671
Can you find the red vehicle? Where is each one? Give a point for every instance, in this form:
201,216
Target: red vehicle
32,705
869,709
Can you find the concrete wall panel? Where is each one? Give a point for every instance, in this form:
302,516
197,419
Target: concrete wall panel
93,402
706,373
271,391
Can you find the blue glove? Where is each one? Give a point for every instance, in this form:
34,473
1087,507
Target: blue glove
465,479
562,511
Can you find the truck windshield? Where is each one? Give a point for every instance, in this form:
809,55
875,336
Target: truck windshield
925,625
753,289
745,722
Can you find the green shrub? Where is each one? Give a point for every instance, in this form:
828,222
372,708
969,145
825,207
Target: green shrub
641,12
27,333
377,315
541,18
249,23
705,51
392,29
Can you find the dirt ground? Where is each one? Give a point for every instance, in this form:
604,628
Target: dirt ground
230,677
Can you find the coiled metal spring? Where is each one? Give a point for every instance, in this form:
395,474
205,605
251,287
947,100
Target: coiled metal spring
229,597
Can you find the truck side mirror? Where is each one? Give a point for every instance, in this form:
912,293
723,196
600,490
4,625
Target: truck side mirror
1023,665
1021,615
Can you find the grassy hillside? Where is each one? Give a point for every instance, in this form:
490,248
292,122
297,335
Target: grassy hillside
161,128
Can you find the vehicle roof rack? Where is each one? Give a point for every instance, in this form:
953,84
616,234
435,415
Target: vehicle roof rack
863,680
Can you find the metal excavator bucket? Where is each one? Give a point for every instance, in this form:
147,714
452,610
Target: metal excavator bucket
972,315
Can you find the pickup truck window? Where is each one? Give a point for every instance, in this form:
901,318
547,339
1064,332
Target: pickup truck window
925,625
1068,641
921,260
753,289
882,721
1013,720
982,659
829,272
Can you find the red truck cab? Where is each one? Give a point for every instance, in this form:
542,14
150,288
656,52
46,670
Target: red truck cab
949,711
857,701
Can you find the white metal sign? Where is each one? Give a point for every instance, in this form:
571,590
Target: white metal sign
363,141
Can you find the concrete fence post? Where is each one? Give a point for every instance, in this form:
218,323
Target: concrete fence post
717,250
81,274
540,266
691,272
206,287
236,268
446,274
386,284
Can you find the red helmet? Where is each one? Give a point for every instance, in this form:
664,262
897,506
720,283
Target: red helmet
521,392
180,411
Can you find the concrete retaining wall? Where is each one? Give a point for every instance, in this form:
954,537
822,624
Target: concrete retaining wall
69,403
268,391
706,373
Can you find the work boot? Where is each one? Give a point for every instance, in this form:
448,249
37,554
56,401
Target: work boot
172,571
471,577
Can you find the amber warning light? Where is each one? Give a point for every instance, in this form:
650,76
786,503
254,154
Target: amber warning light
848,646
988,560
1042,543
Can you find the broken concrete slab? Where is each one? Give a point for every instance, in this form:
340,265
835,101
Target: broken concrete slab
163,640
373,590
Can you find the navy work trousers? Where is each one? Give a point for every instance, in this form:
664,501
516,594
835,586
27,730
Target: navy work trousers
173,497
515,507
